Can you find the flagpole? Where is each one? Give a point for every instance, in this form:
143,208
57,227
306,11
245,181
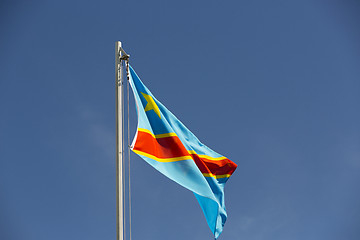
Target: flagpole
119,142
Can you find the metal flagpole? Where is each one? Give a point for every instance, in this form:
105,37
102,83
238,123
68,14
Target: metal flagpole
120,55
119,143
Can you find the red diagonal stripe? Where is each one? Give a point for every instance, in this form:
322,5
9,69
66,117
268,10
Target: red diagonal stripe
218,167
171,147
167,147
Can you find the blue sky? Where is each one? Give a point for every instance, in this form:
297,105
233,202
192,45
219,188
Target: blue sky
272,85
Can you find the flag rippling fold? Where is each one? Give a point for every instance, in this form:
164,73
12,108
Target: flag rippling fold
167,145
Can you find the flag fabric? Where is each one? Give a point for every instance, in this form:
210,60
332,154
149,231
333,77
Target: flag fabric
167,145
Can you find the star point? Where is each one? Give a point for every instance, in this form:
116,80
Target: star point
151,105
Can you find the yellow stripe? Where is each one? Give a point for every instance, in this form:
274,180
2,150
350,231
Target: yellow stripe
146,131
191,152
175,159
163,135
212,158
206,156
216,176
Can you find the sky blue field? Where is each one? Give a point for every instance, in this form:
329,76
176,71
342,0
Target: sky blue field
272,85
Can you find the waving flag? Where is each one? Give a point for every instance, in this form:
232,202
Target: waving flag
166,144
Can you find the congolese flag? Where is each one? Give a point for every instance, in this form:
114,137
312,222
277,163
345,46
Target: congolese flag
166,144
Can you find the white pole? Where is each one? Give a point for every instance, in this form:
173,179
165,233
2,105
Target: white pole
119,142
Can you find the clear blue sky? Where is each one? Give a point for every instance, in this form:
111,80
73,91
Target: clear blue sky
272,85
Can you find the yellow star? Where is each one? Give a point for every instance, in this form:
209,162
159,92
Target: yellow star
151,105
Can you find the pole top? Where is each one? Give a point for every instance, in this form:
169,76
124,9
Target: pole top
122,54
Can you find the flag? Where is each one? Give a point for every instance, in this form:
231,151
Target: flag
167,145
